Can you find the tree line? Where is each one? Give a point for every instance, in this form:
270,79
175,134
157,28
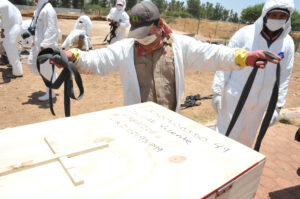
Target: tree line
176,8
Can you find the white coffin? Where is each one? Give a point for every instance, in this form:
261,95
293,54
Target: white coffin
136,152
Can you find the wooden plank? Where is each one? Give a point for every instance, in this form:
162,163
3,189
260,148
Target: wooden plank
74,175
34,163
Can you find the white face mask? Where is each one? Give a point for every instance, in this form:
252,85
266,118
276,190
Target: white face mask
275,24
119,7
147,40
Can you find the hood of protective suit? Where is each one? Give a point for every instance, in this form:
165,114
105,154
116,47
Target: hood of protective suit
271,4
123,2
40,4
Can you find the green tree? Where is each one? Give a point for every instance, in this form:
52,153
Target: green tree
193,7
103,3
130,4
296,21
95,2
18,2
176,6
65,3
218,12
209,10
233,17
251,14
53,3
161,4
78,4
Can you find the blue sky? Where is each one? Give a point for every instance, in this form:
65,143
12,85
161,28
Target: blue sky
239,5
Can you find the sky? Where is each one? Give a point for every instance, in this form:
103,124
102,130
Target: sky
239,5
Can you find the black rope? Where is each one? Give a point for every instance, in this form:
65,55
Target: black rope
59,57
271,107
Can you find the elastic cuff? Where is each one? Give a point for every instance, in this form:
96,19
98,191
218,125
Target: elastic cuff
75,54
241,57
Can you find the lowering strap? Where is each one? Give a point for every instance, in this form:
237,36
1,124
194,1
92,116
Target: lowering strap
271,106
297,136
58,56
112,32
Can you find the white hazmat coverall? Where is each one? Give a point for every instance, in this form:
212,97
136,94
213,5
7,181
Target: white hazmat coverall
46,36
188,53
230,84
29,40
84,21
122,18
11,23
74,35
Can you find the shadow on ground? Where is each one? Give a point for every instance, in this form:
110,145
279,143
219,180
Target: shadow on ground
288,193
4,70
33,100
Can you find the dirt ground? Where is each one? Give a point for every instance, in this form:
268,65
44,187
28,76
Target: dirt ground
19,103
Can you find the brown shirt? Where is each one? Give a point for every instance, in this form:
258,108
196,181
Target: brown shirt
156,75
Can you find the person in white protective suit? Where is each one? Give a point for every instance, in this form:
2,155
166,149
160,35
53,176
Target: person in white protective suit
84,22
153,60
27,41
46,36
11,23
77,35
269,32
120,17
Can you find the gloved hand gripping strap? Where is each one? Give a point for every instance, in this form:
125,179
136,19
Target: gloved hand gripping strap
59,57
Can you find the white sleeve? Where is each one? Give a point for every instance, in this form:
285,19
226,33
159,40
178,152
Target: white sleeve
220,80
88,29
86,43
110,14
202,56
125,20
77,24
66,42
285,74
102,61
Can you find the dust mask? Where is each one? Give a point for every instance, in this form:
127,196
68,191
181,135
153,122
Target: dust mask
119,7
275,24
147,40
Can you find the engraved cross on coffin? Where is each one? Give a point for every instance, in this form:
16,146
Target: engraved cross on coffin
62,157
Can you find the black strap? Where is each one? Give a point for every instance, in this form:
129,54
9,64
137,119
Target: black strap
271,107
270,111
112,32
65,77
297,136
38,14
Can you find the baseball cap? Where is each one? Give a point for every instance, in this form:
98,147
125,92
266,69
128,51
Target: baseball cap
142,17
